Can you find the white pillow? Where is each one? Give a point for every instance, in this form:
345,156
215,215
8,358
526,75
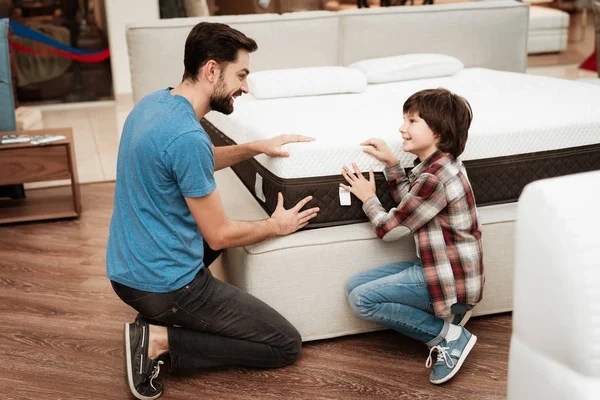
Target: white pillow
305,82
409,66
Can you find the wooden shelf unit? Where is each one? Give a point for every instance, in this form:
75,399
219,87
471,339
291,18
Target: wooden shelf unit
26,163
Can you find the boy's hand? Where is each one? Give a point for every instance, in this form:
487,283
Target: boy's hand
359,186
272,147
380,150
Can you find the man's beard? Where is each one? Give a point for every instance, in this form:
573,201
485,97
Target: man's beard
221,104
221,100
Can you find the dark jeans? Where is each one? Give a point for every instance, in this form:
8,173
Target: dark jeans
211,323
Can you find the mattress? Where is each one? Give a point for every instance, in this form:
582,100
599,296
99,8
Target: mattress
522,131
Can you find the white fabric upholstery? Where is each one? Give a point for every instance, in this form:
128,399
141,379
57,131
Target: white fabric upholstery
407,67
548,30
547,18
467,31
312,81
156,48
304,275
547,41
591,81
556,320
487,34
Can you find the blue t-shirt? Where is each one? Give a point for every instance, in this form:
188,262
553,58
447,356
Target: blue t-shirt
164,156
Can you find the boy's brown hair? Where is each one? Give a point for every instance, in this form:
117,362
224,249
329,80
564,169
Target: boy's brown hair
213,41
448,115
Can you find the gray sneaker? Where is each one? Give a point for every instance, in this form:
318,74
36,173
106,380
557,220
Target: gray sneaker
141,371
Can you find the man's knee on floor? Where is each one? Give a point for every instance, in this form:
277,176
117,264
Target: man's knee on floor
291,350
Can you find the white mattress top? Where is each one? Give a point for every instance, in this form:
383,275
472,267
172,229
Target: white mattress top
513,114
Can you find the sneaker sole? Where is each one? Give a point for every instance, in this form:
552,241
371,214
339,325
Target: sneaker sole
459,363
129,368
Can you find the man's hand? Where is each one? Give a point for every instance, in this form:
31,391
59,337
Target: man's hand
380,150
359,186
289,221
272,147
226,156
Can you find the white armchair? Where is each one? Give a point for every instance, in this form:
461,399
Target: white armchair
548,29
555,346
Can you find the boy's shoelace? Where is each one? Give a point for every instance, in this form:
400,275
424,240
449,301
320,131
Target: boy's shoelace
441,356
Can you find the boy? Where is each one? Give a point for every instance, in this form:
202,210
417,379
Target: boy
428,299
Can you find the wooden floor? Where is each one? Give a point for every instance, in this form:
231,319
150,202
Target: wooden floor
61,334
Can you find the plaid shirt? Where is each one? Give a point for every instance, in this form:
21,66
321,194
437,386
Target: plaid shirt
436,204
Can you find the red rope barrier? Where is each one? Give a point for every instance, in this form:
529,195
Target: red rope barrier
47,51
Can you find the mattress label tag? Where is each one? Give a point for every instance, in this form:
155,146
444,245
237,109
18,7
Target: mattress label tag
344,197
258,188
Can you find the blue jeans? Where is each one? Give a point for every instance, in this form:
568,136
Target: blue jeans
396,295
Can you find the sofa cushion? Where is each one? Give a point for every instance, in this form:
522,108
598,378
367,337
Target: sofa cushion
408,66
293,82
547,18
547,40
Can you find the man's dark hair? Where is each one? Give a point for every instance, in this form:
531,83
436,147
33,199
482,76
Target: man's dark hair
213,41
447,114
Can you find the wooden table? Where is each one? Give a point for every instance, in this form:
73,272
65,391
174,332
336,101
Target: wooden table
26,163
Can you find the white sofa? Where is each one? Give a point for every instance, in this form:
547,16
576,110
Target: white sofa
548,30
554,351
303,276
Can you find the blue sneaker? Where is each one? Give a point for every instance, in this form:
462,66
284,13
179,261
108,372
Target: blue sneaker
450,357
